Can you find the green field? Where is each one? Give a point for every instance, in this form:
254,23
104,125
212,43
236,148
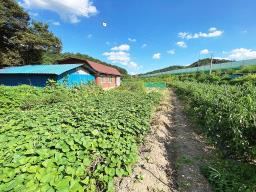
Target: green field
60,139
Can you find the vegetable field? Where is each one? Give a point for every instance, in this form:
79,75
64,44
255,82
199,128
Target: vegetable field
227,114
59,139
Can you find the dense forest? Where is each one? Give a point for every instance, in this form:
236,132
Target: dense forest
198,63
25,41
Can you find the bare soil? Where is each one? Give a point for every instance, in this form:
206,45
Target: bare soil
171,155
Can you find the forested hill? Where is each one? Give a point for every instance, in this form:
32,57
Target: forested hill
23,41
166,69
198,63
207,61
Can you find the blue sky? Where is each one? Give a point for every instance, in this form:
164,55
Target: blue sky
144,35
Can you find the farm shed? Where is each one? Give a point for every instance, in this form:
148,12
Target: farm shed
38,75
105,76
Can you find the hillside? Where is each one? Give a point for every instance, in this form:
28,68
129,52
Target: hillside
198,63
207,61
166,69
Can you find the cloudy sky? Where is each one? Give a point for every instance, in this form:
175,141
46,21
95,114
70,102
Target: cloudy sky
150,34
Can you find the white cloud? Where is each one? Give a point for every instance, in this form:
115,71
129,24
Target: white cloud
133,64
182,44
123,47
212,32
132,40
120,54
156,56
242,54
171,51
144,45
204,52
213,29
118,57
67,9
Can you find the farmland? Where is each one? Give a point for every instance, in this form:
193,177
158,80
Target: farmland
82,139
225,114
60,139
223,111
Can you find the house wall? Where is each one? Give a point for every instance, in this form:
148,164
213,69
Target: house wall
76,77
27,79
106,81
71,78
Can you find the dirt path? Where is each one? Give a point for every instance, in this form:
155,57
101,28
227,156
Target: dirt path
170,156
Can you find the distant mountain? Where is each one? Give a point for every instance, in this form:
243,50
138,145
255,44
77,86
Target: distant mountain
201,62
207,61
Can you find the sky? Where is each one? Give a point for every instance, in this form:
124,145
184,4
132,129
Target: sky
145,35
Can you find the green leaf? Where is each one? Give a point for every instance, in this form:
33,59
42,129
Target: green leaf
86,161
110,171
80,171
70,170
63,184
48,163
119,172
75,186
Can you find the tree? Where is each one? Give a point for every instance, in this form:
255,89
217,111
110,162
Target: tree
23,41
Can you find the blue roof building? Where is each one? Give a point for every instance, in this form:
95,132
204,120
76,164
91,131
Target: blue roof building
38,75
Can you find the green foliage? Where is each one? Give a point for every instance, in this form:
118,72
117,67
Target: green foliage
251,78
229,175
23,41
248,69
226,113
137,86
61,139
217,78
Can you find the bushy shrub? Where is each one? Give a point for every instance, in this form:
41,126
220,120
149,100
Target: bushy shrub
248,69
251,79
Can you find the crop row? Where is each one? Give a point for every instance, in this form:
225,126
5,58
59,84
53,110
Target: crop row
59,139
227,114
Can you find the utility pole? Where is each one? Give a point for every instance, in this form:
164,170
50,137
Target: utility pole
198,63
211,64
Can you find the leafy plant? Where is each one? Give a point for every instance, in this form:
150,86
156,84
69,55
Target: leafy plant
227,115
61,139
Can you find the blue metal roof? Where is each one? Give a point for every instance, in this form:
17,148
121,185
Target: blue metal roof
40,69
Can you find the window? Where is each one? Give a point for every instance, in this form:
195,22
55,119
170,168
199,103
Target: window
106,79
